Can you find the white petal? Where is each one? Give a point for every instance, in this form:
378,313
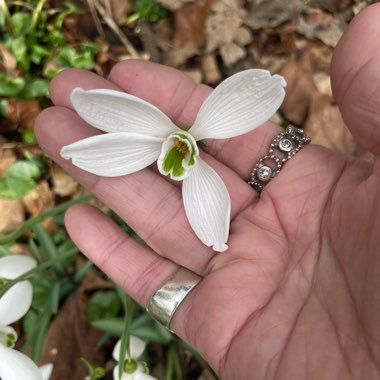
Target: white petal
207,205
8,336
137,347
115,111
15,303
140,375
15,265
46,371
239,104
16,366
114,154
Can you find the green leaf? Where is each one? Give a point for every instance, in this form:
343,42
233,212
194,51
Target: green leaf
150,10
24,170
21,22
10,86
14,188
103,305
28,136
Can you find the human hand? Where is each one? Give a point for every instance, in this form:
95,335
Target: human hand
296,294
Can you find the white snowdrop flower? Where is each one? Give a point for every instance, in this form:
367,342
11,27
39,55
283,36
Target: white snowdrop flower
140,134
13,305
134,370
46,371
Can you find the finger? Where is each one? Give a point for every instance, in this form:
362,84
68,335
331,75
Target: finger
151,205
133,266
355,78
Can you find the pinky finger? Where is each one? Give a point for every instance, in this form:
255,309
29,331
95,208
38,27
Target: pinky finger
133,266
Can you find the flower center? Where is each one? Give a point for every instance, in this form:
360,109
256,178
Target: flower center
178,155
181,146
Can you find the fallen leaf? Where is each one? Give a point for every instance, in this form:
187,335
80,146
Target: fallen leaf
7,158
174,5
210,68
63,184
231,53
8,62
38,200
118,9
189,32
223,12
326,127
300,89
71,337
271,13
22,113
12,214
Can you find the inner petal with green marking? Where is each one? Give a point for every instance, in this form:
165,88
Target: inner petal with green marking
178,155
8,336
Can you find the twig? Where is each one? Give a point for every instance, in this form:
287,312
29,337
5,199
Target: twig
115,28
95,17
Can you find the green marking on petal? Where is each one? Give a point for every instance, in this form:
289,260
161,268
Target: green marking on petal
178,155
173,162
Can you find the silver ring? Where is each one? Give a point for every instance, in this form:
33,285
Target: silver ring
165,301
283,147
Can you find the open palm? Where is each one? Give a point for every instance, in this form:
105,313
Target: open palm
296,294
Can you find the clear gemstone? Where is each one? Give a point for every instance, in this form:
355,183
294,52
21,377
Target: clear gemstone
264,174
286,145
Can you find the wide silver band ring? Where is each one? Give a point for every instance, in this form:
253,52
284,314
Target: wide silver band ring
283,147
165,301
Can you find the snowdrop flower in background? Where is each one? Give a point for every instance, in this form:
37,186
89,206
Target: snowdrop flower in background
46,371
140,134
134,370
13,305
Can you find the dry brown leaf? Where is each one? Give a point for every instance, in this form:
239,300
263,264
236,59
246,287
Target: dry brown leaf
300,89
321,25
223,13
326,127
210,68
63,184
38,200
71,337
271,13
118,9
231,53
189,24
7,158
174,5
12,214
8,62
189,32
22,113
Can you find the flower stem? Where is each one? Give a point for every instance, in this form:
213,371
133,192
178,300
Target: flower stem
125,347
39,268
11,237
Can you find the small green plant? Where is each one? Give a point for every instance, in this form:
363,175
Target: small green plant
33,35
21,177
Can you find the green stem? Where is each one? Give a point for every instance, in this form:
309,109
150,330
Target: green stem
173,364
9,238
36,13
125,347
7,16
39,268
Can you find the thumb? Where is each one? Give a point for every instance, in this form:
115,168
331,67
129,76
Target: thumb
355,78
